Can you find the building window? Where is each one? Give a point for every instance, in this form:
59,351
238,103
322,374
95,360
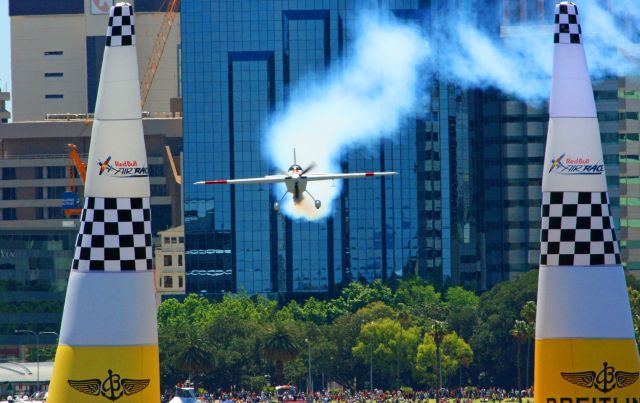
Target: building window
53,75
54,213
54,53
53,96
39,193
168,282
39,213
56,172
158,190
156,170
8,193
181,239
55,192
180,282
8,173
179,260
174,240
8,214
167,260
165,240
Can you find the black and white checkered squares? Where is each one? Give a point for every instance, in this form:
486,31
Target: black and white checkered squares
567,25
577,230
121,30
115,235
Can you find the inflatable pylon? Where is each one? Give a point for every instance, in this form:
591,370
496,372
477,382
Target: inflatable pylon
108,349
585,346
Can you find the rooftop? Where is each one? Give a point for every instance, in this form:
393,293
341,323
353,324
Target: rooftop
25,372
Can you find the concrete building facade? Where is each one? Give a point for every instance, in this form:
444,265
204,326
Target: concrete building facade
169,263
37,240
56,55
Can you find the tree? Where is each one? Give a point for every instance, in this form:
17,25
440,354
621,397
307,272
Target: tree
528,313
456,354
520,332
358,295
280,346
634,300
462,311
421,301
491,342
385,342
195,356
438,330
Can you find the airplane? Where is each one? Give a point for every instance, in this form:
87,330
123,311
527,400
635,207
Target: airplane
296,180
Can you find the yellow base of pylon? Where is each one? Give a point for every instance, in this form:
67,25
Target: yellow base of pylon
587,371
105,374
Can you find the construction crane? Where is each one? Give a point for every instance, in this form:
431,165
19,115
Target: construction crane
70,199
158,49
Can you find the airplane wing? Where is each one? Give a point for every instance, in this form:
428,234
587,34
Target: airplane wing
355,175
247,181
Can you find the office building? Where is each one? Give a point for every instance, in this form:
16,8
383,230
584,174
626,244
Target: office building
239,60
56,55
467,213
37,240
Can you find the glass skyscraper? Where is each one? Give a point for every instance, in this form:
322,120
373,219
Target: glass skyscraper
465,208
239,61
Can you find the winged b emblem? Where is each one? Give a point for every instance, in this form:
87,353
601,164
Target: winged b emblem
605,381
113,387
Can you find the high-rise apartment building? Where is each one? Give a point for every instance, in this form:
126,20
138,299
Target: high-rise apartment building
56,55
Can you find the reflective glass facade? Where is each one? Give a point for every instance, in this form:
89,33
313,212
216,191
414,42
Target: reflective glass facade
465,208
240,60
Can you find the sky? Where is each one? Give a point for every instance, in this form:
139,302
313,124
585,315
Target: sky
5,51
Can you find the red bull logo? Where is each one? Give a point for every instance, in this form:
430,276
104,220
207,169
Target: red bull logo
122,169
564,165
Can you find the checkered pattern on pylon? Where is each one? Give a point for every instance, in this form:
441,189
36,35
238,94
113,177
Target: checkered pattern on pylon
568,28
121,30
115,235
577,230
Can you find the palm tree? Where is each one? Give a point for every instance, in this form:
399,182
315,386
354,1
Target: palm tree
438,330
196,354
520,332
280,346
403,319
528,313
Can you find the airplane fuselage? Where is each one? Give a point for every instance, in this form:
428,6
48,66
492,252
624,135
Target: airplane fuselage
296,185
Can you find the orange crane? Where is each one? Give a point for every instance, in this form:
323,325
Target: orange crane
158,49
70,199
79,164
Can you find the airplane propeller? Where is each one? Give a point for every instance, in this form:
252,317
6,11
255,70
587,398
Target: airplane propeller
311,167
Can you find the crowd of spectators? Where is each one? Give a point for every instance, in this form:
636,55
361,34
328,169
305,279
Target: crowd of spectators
456,395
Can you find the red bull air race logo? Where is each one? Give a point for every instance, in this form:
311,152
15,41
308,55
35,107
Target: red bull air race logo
122,169
564,165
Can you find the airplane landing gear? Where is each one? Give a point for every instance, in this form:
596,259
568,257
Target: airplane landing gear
316,203
276,205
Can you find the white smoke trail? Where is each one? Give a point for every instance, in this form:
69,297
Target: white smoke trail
519,63
378,85
359,103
